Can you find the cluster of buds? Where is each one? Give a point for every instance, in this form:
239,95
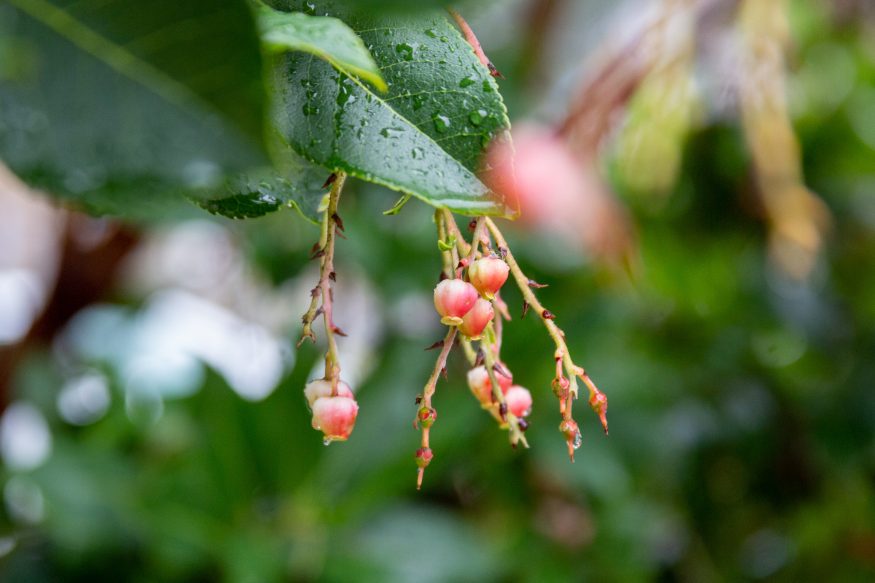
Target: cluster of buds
334,409
467,298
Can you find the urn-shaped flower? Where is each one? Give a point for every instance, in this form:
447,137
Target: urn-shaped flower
488,275
453,298
519,401
481,385
475,321
335,416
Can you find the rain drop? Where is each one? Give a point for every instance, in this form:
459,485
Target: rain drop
467,81
441,123
431,33
391,132
310,109
417,153
476,117
407,50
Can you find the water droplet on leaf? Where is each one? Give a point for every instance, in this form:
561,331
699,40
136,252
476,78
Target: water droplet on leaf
476,117
441,123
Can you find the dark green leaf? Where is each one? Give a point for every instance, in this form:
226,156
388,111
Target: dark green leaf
323,36
241,206
127,104
426,136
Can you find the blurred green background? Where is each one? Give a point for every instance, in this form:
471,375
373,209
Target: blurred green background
155,430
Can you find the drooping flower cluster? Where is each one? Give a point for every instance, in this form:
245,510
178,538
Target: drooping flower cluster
467,274
468,300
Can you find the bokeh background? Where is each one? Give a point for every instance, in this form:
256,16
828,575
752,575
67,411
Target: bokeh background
714,275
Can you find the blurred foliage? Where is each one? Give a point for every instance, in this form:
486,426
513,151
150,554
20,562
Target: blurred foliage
742,415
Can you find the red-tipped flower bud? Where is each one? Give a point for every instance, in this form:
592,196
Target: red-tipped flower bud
519,401
599,403
476,319
322,388
569,429
423,456
488,275
453,298
335,416
481,386
571,433
427,417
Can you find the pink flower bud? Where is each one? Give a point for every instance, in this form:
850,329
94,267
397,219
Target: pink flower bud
519,401
335,416
423,456
427,417
322,388
571,433
481,386
474,322
599,403
488,275
453,298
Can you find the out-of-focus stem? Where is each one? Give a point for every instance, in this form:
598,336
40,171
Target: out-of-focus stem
509,421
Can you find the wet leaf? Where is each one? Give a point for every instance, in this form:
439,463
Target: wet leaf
426,136
323,36
127,105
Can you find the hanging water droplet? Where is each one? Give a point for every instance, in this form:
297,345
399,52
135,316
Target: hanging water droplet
326,441
576,442
441,123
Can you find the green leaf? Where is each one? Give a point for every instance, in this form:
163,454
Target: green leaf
398,205
323,36
242,206
425,137
447,246
126,105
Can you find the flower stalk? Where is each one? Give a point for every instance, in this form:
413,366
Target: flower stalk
324,250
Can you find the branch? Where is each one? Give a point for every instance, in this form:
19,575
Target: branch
597,398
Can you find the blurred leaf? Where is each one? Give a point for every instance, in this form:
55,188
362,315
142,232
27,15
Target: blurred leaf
295,182
325,37
425,137
133,103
